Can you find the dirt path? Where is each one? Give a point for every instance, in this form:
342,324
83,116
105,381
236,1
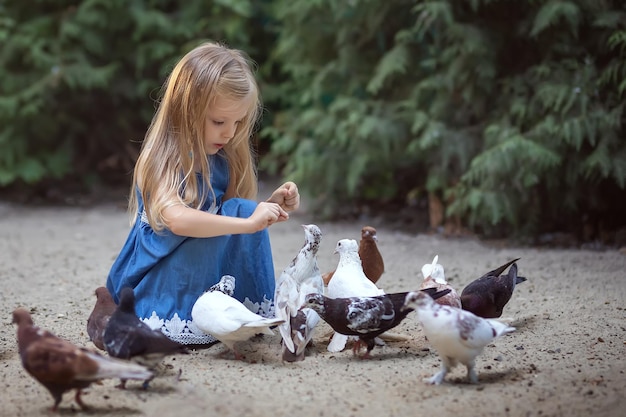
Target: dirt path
565,359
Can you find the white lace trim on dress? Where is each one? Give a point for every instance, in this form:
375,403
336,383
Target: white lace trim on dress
187,333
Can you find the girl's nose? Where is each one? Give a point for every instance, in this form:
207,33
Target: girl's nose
229,132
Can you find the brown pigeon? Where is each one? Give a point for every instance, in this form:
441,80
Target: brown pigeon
99,317
365,317
127,337
371,258
487,296
60,366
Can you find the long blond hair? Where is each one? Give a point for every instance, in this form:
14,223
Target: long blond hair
173,148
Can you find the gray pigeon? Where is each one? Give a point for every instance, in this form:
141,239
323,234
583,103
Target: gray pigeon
127,337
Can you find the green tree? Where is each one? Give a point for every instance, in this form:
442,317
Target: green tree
510,111
78,79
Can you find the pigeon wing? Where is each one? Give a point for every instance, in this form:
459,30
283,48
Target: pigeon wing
286,305
476,332
53,360
365,315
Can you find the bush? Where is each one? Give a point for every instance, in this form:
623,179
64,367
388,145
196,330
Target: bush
78,79
509,112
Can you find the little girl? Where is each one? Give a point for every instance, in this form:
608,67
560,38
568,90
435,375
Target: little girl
191,203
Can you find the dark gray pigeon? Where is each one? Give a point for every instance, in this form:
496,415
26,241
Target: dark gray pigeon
487,296
127,337
365,317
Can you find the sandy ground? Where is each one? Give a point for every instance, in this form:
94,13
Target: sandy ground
567,357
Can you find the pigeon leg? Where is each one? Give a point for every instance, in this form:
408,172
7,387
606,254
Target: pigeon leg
57,401
370,345
147,382
122,384
439,376
79,400
472,376
236,353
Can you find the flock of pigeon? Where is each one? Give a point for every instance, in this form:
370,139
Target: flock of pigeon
458,327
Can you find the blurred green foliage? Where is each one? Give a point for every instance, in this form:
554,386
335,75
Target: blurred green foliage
78,79
510,112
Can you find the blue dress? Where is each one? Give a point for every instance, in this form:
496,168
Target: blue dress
169,272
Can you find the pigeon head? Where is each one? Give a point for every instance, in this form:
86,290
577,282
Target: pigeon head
101,292
368,232
346,245
22,317
417,300
226,285
127,300
313,236
314,302
25,328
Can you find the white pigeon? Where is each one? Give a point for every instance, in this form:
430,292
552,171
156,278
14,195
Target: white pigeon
457,335
434,277
300,278
349,280
217,313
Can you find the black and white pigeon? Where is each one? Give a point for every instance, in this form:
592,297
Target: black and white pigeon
127,337
218,313
487,296
434,277
349,280
300,278
457,335
365,317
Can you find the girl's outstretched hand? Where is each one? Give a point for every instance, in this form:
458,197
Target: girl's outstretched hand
266,214
287,196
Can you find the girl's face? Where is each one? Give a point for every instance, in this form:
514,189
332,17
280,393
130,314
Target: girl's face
222,122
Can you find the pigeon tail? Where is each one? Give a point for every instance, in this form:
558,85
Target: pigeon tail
109,367
500,328
498,271
265,324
